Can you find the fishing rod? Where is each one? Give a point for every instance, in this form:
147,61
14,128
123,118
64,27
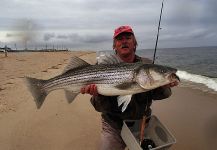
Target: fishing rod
155,49
142,121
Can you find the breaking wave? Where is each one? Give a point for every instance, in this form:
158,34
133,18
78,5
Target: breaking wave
207,81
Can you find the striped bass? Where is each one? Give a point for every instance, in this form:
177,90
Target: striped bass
112,78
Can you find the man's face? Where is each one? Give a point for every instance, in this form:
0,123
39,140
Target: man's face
125,44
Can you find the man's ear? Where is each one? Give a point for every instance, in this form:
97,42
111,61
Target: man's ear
135,44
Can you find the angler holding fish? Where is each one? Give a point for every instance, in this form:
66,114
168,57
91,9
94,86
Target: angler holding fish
124,45
123,86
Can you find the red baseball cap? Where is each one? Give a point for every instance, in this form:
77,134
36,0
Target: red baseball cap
122,29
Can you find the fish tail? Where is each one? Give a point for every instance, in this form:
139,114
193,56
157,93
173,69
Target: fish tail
35,87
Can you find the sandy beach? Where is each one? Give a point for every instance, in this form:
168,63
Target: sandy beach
189,114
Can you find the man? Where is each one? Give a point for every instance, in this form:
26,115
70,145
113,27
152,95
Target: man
124,44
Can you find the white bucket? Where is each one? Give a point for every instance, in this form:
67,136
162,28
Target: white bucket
155,131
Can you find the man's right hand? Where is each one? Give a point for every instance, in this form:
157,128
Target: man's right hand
89,89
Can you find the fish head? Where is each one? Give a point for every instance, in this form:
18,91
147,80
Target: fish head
152,76
163,74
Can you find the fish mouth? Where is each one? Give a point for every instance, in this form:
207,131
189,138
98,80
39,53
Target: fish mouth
174,77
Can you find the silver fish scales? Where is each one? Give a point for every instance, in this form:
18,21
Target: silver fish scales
114,79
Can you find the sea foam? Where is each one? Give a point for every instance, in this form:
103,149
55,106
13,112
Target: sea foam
207,81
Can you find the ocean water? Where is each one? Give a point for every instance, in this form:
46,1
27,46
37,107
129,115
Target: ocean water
197,66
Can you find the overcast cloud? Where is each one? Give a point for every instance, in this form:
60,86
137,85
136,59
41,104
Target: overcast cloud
89,24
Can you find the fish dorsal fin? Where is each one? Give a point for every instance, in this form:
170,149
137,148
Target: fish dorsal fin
75,62
108,59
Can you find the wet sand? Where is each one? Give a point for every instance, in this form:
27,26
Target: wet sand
190,115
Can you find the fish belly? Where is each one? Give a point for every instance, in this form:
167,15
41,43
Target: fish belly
111,90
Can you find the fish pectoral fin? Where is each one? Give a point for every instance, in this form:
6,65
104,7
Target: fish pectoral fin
124,86
143,79
125,100
70,96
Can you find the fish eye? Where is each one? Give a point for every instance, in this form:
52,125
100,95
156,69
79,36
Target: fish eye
162,71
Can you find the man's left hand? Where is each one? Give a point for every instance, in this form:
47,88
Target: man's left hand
172,84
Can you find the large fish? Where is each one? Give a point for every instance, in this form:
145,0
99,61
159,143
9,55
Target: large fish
112,77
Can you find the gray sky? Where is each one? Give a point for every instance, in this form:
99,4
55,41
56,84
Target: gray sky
89,24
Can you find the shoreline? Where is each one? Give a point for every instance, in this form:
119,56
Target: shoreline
189,114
